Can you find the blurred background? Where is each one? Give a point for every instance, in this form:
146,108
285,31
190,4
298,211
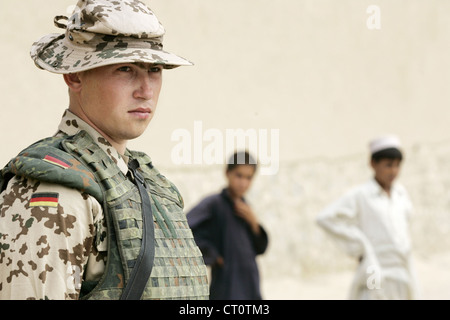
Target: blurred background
311,69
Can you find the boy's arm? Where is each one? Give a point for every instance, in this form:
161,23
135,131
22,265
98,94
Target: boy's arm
340,221
203,223
260,238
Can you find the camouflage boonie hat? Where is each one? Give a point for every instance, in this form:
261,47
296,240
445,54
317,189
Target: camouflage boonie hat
104,32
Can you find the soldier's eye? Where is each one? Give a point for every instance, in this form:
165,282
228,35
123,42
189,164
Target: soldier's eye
124,69
155,69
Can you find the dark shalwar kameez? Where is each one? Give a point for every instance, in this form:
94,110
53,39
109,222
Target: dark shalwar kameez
220,232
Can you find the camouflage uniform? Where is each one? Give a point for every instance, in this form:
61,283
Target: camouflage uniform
34,240
55,237
49,248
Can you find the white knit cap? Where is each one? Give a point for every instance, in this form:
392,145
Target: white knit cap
384,142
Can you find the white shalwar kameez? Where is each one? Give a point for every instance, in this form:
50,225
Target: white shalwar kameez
369,224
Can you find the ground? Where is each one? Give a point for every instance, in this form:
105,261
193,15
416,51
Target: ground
433,276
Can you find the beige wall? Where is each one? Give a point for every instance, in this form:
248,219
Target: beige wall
310,68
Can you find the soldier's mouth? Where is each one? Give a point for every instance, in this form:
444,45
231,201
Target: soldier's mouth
141,113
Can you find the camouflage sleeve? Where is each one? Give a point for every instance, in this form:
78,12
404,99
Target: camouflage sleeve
48,236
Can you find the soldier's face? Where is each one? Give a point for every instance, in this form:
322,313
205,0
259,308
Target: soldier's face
120,100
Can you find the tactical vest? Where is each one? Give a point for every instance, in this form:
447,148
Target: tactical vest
179,271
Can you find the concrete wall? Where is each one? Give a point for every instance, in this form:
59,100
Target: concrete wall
288,203
310,68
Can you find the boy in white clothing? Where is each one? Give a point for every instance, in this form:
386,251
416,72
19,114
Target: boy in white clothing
371,223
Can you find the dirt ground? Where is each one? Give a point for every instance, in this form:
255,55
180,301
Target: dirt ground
433,276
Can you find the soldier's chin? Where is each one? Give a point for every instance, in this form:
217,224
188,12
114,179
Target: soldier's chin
136,131
131,135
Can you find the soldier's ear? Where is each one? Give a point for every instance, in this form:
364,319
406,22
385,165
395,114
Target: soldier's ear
73,81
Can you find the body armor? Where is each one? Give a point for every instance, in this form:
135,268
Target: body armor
178,269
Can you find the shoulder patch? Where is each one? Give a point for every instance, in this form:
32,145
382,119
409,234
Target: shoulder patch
57,161
44,199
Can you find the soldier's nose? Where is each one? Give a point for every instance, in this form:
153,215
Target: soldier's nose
145,89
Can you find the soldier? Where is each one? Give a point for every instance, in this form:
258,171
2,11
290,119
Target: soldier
371,223
82,216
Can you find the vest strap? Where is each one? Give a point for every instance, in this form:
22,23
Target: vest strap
144,263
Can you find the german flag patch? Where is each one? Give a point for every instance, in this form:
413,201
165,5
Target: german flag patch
57,161
44,199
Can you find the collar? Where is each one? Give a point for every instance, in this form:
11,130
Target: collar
377,190
226,194
71,124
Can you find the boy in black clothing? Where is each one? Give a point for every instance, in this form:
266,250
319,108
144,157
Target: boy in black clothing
229,235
